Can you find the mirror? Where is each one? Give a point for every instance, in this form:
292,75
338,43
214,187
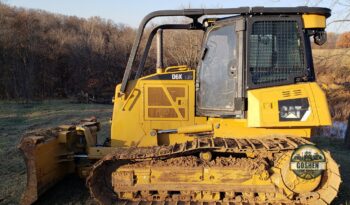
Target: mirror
320,37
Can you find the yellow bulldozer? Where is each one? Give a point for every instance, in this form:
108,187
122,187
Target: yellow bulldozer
233,130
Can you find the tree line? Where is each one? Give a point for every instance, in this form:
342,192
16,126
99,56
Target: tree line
45,55
336,40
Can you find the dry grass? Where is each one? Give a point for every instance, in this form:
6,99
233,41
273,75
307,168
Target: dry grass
332,67
333,73
15,119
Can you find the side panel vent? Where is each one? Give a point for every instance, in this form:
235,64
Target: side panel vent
297,92
286,93
291,93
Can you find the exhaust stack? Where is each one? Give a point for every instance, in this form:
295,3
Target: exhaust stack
160,64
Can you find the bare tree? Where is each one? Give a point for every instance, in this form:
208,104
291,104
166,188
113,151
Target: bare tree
340,14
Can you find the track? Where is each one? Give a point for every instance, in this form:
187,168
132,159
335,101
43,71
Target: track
275,149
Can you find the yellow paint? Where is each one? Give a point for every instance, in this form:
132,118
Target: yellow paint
195,128
177,68
238,128
47,162
206,156
290,182
263,108
62,136
89,138
193,180
99,152
160,70
48,165
314,21
176,105
133,123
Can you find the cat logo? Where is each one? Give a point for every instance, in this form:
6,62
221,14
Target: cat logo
292,112
294,109
308,162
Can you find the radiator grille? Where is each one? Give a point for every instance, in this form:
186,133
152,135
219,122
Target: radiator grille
166,102
162,113
157,97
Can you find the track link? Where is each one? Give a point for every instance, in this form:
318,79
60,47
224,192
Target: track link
99,179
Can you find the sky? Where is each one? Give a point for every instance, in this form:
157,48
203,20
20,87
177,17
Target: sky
131,12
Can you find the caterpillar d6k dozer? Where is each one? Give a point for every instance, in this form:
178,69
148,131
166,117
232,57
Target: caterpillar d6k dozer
233,130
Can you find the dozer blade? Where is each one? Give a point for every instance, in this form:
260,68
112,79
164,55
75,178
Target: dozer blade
46,161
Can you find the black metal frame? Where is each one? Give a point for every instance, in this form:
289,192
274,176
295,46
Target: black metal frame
150,39
309,59
197,13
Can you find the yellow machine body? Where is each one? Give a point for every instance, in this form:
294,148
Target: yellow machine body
263,106
150,105
314,21
173,139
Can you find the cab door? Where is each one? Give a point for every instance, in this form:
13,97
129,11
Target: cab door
219,87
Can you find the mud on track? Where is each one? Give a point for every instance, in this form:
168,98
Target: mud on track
15,119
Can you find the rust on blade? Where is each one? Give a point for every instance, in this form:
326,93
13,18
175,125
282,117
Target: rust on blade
42,155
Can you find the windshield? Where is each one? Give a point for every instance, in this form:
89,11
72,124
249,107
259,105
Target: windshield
216,69
275,52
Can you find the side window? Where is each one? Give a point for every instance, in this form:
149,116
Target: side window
276,54
216,71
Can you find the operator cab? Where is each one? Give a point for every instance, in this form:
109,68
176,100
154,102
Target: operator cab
277,50
256,48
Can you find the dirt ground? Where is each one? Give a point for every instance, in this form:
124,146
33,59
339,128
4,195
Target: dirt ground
15,119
